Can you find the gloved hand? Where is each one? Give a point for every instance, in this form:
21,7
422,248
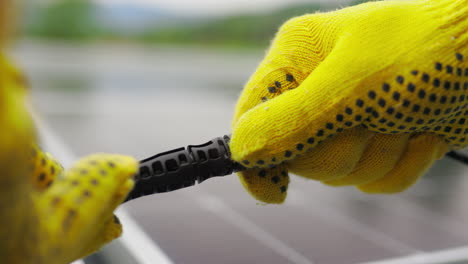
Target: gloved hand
76,212
369,95
50,215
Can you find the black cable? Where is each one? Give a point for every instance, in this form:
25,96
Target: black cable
458,156
183,167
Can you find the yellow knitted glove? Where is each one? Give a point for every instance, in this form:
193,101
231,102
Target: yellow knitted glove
76,213
49,215
369,95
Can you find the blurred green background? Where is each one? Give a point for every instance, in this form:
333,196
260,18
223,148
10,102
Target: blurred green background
85,20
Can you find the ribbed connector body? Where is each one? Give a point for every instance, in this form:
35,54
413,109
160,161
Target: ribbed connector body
183,167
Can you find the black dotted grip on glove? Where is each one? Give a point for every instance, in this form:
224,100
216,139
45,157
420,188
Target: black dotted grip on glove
183,167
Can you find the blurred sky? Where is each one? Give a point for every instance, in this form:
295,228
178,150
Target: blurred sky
218,7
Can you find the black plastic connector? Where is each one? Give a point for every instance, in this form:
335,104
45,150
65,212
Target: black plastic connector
183,167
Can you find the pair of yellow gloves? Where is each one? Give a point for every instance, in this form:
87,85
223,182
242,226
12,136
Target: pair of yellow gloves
369,96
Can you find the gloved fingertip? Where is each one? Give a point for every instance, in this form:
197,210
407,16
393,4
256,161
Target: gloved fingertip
266,185
380,156
44,168
422,151
122,192
122,167
113,229
380,189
